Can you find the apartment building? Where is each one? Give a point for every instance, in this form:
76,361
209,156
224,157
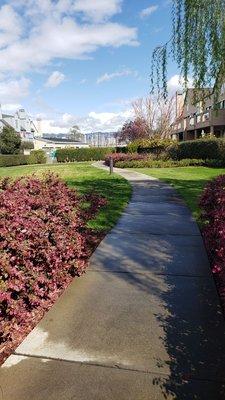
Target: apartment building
21,122
197,119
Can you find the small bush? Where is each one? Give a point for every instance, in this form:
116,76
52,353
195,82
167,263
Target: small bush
212,204
118,157
37,157
8,160
82,154
199,149
149,163
44,243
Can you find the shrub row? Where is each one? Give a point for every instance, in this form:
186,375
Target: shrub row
148,163
82,154
36,157
13,159
199,149
44,243
212,204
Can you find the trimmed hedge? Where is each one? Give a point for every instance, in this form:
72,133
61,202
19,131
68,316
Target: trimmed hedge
83,154
153,146
10,160
13,159
159,163
37,157
211,149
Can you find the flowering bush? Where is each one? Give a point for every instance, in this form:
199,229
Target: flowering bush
44,243
213,216
118,157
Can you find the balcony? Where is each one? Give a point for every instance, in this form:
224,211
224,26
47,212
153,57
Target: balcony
201,121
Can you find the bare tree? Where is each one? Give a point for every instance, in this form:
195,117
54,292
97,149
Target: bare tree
158,114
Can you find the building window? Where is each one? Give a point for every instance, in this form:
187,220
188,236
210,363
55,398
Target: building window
192,120
199,118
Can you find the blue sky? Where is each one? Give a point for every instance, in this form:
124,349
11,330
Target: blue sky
79,61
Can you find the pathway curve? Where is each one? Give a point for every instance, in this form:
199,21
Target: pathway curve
144,323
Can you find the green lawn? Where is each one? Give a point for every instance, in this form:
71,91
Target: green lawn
189,181
85,178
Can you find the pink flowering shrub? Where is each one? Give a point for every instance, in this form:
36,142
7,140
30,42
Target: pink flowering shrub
118,157
44,243
213,216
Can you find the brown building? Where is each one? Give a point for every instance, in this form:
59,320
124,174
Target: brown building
197,119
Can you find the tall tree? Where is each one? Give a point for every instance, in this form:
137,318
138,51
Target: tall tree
9,141
75,133
157,113
197,44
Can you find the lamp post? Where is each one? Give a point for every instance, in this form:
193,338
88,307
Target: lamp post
111,165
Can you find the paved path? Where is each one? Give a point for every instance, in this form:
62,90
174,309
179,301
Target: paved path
144,323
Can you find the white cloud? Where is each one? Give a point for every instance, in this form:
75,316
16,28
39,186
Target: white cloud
55,79
146,12
89,10
56,33
10,107
10,25
118,74
93,122
176,83
98,10
12,91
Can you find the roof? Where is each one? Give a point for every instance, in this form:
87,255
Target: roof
57,140
7,116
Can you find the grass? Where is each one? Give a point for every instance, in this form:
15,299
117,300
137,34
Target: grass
85,178
188,181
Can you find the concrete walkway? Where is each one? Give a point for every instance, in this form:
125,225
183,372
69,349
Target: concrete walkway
144,323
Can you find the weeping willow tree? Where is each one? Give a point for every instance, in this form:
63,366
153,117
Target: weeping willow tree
197,45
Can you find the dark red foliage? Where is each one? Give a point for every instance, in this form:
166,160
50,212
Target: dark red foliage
213,216
117,157
44,243
132,130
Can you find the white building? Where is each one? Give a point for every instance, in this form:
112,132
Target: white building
49,145
21,122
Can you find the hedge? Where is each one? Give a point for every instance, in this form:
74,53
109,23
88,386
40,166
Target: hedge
37,157
160,163
153,145
13,159
211,149
83,154
9,160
